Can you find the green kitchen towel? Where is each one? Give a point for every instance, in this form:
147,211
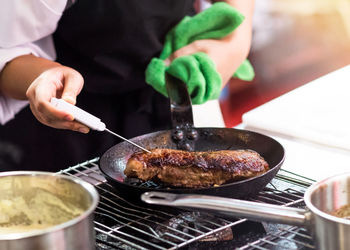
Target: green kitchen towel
198,70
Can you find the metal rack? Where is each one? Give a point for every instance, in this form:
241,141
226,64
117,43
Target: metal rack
121,223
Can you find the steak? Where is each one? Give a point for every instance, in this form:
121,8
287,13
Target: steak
195,169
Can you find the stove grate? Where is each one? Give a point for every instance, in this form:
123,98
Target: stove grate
121,223
291,237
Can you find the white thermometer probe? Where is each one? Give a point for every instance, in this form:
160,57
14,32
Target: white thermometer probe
87,119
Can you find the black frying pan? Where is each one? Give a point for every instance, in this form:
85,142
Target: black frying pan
185,136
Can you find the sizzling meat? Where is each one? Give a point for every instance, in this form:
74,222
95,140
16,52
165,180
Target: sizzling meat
195,169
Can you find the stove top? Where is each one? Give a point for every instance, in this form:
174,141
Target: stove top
122,223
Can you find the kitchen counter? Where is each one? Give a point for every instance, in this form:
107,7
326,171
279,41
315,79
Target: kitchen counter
312,122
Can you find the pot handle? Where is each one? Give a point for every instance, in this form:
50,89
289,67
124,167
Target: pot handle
232,207
183,133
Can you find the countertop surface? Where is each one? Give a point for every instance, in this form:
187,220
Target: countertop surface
312,122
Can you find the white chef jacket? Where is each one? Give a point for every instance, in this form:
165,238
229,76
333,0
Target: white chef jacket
26,27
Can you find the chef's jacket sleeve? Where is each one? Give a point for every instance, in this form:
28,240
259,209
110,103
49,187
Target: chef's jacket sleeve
26,27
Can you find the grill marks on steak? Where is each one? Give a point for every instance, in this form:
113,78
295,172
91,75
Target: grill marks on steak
195,169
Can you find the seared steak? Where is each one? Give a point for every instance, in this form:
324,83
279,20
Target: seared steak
195,169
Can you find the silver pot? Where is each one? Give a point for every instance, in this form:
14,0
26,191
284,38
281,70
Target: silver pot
46,211
321,199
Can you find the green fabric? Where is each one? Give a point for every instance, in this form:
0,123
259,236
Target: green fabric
198,70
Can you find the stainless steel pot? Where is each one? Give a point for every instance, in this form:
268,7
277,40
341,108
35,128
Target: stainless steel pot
31,203
321,199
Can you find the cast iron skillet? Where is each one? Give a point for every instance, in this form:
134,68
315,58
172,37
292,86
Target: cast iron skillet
185,136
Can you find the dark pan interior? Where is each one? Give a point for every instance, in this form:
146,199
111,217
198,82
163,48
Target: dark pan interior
113,162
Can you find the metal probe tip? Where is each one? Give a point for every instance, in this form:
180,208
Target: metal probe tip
121,137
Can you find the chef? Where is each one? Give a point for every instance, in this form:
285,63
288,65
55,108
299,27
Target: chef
95,52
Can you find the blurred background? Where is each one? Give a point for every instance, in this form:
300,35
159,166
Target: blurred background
294,42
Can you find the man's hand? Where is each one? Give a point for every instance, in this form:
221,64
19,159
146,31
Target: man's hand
229,52
60,82
40,80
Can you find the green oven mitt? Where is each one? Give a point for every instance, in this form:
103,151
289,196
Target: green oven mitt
197,70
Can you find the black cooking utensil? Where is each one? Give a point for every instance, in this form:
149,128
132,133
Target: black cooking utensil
185,136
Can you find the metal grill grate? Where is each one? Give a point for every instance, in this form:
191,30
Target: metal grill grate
124,224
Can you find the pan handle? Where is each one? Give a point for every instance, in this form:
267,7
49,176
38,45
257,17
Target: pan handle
232,207
180,102
184,133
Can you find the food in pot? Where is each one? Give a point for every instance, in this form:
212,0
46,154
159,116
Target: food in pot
195,169
25,208
343,212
